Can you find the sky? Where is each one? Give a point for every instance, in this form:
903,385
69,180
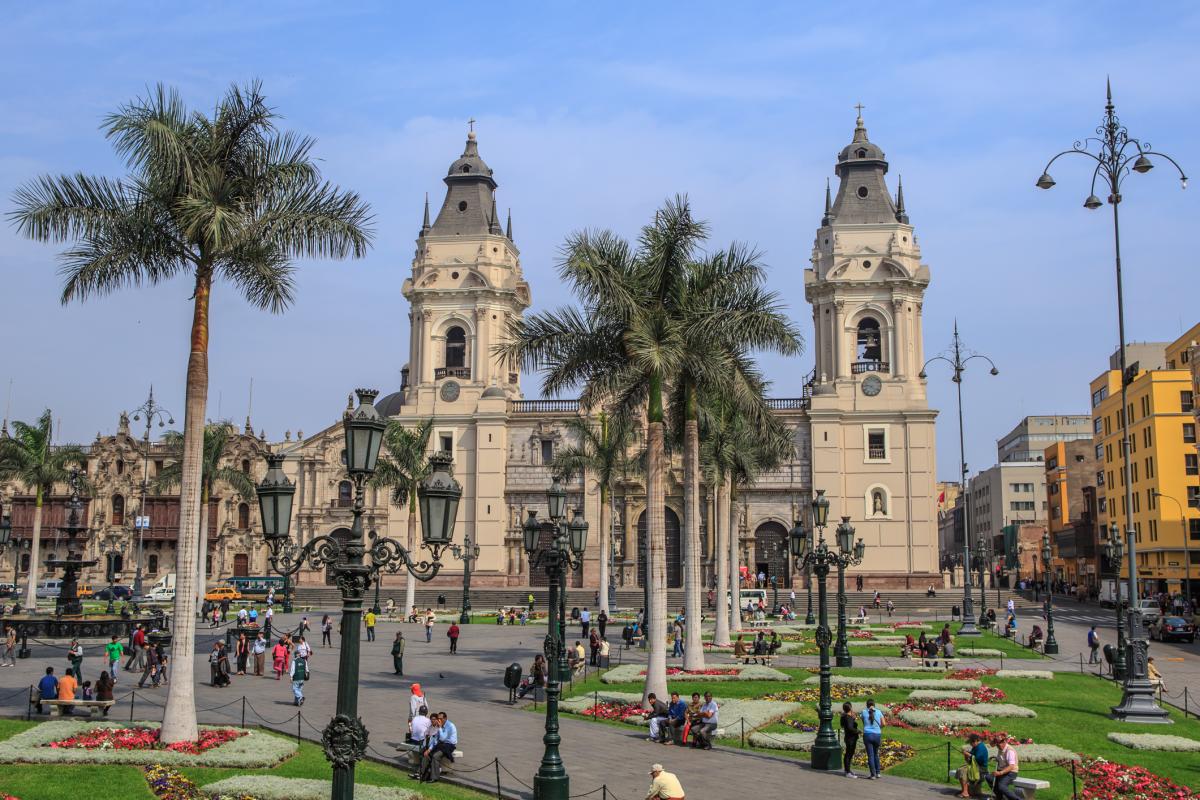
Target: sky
591,114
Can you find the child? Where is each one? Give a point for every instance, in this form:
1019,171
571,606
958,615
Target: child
87,691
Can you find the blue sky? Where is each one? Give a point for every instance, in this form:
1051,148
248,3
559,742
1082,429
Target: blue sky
591,114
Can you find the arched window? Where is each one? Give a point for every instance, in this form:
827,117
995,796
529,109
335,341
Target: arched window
24,562
153,564
456,347
860,153
246,465
243,516
870,345
120,466
345,494
118,510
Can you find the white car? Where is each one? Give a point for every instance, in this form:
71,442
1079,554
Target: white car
1150,611
162,594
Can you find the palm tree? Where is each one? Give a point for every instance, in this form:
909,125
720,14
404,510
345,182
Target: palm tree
602,450
226,196
212,472
30,458
725,312
621,350
403,464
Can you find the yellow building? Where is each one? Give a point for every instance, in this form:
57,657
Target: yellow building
1164,464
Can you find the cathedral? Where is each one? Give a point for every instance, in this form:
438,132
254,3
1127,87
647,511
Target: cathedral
863,430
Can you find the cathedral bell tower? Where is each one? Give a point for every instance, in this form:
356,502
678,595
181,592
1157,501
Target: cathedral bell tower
466,287
872,428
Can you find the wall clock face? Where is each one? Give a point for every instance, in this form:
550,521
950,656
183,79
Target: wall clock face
871,385
450,391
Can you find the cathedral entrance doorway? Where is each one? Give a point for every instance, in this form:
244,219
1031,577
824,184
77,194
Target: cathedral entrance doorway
674,550
770,553
343,536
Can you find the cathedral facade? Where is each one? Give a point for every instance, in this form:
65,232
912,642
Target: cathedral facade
862,426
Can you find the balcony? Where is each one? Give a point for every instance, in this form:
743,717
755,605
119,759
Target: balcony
876,452
543,406
859,367
787,403
452,372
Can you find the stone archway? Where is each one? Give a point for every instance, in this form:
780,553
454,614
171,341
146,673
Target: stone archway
674,549
771,553
342,535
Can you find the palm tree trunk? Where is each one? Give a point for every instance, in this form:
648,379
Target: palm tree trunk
693,653
410,588
720,550
179,718
656,567
735,610
605,547
202,557
35,554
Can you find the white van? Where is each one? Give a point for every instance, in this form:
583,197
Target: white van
52,588
162,594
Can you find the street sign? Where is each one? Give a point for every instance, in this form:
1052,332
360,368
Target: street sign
141,522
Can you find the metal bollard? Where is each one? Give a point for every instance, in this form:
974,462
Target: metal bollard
299,719
132,700
243,711
743,721
949,766
499,795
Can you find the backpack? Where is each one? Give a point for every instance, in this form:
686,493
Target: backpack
301,671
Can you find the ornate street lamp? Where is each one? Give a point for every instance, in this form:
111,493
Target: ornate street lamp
826,750
110,574
798,532
345,737
983,556
564,553
958,361
1117,155
153,412
1050,648
1114,552
467,554
849,554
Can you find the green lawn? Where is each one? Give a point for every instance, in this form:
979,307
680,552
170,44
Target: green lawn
46,782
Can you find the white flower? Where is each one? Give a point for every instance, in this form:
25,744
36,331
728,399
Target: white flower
939,694
791,740
1032,674
901,683
270,787
1156,741
634,673
943,716
1043,753
999,710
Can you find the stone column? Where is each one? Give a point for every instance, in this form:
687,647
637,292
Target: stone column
482,343
842,357
425,345
900,323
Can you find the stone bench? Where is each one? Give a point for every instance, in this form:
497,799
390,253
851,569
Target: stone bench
96,708
764,660
1028,787
412,751
949,662
759,623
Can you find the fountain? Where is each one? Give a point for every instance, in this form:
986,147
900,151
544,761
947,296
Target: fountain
68,603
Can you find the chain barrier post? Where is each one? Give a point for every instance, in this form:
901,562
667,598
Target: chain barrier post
1185,702
743,721
243,711
499,796
949,766
299,719
132,700
1074,788
29,706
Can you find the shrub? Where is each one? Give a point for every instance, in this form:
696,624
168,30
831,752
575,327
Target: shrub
1000,710
1156,741
271,787
1031,674
902,683
944,716
939,694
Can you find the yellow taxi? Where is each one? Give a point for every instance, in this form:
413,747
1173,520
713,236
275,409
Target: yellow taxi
219,593
84,590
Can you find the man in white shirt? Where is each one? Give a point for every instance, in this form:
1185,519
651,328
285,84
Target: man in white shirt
418,726
709,714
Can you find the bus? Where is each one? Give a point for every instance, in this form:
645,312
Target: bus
257,586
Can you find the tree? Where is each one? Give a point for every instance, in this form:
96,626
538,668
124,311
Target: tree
29,458
221,197
725,313
621,349
402,465
601,449
212,472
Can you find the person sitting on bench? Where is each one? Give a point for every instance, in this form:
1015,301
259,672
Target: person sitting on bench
1035,637
761,648
740,650
658,714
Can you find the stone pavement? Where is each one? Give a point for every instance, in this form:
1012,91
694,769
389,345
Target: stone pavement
469,687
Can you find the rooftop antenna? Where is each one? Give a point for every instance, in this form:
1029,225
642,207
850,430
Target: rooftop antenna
7,409
250,404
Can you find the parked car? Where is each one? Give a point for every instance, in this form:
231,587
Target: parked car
8,589
1167,629
161,594
219,593
84,591
1150,611
48,589
117,592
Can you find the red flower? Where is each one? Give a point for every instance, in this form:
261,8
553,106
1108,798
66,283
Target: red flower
144,739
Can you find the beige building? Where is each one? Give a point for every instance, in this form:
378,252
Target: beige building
863,429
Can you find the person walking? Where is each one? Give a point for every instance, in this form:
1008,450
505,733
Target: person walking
150,670
398,653
279,654
1009,768
114,650
530,600
849,738
326,631
369,621
416,700
452,634
137,644
664,785
585,622
429,625
10,647
594,646
872,737
242,652
299,674
602,622
1093,642
75,657
258,649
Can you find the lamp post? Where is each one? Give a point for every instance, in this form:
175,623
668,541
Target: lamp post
1117,155
345,738
564,553
1186,584
467,554
152,412
1050,648
797,532
981,553
110,556
826,750
1114,551
17,546
775,593
848,555
958,361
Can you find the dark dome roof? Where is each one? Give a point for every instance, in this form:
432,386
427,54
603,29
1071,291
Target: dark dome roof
470,159
493,391
391,405
860,148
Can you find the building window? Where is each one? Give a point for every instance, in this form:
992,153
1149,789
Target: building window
1189,432
1107,426
877,444
547,451
1021,505
446,440
1100,478
120,466
1133,475
1099,395
1193,496
243,516
118,510
1137,503
1194,529
1146,406
152,562
159,466
345,496
1099,452
246,466
1149,466
24,562
1190,465
870,344
1150,502
1154,530
456,347
1097,425
1185,401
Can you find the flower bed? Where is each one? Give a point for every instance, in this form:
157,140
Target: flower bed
621,712
979,652
838,692
755,713
902,683
1031,674
271,787
939,694
1104,780
252,749
634,673
1000,710
949,717
972,673
145,739
1156,741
